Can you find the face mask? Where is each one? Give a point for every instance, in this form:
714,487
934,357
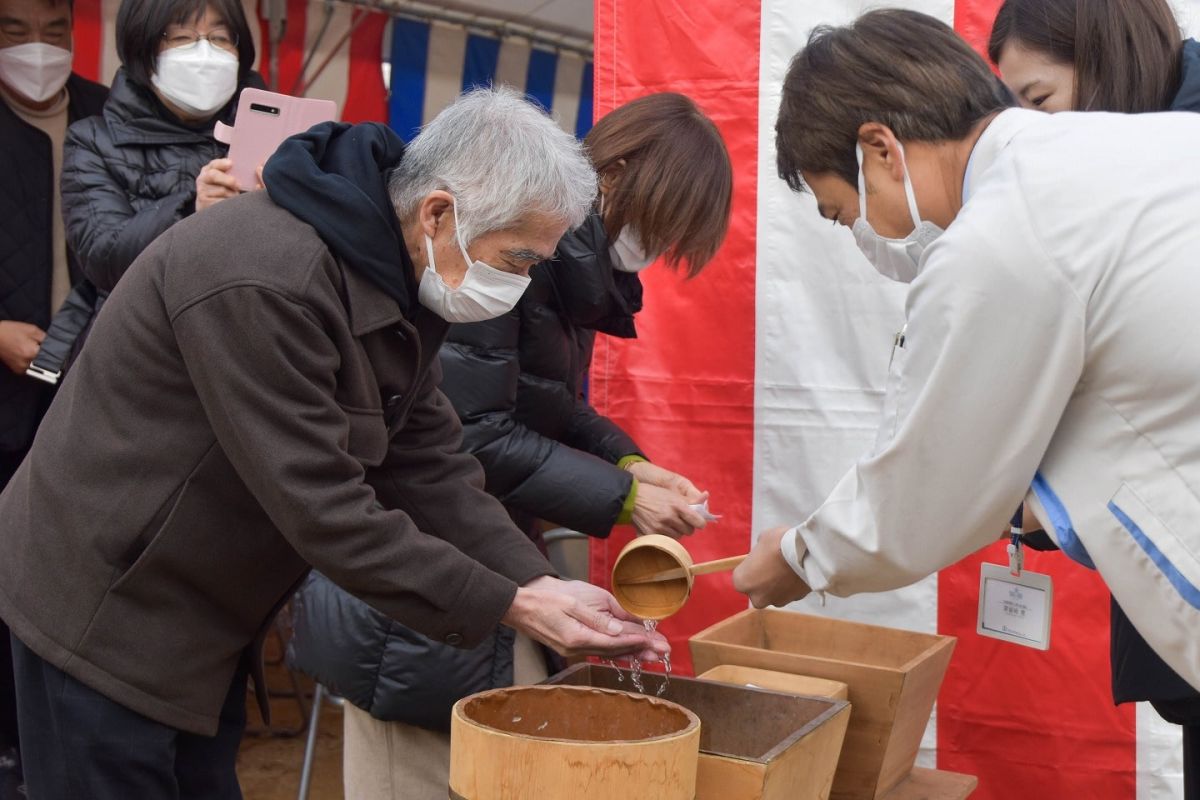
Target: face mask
485,292
36,70
627,253
199,79
898,259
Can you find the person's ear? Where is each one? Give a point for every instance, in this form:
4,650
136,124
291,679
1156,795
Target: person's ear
880,145
435,210
612,176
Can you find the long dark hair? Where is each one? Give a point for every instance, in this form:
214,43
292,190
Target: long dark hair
1126,53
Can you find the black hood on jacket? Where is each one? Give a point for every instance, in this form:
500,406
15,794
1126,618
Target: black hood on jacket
1188,96
591,292
334,177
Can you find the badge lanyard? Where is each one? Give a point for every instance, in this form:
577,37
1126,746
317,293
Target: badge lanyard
1016,554
1014,605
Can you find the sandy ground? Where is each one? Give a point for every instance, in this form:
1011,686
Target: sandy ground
269,763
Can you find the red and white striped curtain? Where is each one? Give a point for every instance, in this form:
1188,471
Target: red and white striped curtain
762,380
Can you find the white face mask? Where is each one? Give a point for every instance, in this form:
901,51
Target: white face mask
627,253
898,259
199,79
37,71
485,292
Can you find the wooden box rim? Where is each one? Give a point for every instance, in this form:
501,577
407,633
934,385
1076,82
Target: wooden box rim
835,707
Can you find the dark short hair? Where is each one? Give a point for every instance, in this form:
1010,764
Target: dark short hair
142,23
1126,53
901,68
676,187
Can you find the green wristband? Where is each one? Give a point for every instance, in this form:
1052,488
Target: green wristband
627,509
625,461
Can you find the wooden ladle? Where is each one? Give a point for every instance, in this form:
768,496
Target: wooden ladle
703,568
653,575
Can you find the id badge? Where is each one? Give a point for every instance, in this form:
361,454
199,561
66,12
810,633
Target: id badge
1015,608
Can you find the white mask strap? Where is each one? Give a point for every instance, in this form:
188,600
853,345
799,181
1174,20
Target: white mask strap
908,187
429,253
862,183
908,190
458,236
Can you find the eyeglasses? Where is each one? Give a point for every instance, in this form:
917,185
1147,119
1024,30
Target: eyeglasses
186,37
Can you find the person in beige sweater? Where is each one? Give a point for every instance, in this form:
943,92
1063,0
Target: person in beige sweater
39,97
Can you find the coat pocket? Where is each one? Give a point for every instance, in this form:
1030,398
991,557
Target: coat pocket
1163,540
367,435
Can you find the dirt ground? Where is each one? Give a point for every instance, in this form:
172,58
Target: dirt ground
270,762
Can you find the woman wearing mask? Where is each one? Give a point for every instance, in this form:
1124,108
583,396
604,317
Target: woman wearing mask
150,160
517,384
1124,56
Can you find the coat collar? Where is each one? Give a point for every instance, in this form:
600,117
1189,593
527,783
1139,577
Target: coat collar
591,293
369,306
135,116
1188,96
991,143
84,99
371,309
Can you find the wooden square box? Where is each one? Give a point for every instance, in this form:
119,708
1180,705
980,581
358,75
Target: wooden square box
754,744
778,681
893,675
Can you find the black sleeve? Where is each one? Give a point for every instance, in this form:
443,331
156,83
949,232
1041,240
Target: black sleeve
525,470
597,434
103,229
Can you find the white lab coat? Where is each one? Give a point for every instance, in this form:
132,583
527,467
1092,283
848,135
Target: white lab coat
1052,341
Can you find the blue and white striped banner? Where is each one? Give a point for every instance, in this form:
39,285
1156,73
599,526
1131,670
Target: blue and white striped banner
431,63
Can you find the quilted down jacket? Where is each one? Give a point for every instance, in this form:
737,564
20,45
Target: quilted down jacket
130,174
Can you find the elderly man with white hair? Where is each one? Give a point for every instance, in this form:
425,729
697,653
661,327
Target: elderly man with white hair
260,396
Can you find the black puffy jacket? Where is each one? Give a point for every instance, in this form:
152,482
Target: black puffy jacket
26,252
130,174
516,383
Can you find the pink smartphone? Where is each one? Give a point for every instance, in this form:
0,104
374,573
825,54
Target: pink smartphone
264,120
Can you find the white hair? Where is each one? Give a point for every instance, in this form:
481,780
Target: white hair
501,157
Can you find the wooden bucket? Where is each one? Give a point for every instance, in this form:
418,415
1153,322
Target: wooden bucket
645,556
571,742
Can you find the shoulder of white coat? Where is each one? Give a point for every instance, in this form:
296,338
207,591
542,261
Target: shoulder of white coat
1091,183
997,243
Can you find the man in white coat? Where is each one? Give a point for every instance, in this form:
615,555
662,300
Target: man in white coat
1052,348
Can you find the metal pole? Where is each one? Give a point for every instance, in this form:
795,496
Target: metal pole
276,28
302,81
310,746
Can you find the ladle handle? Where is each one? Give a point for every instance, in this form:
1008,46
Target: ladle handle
720,565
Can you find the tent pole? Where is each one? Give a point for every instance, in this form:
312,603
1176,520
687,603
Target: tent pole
276,28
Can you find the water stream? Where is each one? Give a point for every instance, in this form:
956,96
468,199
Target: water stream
635,668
